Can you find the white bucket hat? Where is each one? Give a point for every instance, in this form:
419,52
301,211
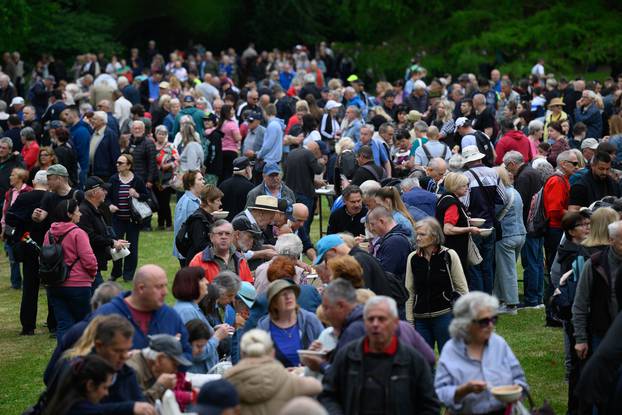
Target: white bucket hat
471,153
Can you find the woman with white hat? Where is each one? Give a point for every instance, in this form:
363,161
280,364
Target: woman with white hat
329,126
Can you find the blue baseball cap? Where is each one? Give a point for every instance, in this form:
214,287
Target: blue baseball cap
271,168
247,293
325,244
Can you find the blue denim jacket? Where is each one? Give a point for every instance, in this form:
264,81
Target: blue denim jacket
498,367
512,223
190,311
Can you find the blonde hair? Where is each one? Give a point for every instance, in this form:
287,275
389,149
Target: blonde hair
302,106
85,343
345,143
256,343
455,180
599,221
504,175
391,193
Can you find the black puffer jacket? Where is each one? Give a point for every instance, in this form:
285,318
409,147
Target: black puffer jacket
143,151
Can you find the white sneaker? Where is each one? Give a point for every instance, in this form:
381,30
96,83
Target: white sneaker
505,309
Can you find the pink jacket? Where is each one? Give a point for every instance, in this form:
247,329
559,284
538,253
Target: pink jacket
75,245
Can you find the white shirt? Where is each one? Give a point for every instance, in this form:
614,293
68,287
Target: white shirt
122,107
538,69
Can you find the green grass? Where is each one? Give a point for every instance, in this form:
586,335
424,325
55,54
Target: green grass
540,350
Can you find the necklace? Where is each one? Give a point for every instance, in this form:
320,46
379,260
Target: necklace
289,331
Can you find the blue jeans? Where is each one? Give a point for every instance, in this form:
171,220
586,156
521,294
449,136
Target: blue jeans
97,281
532,258
125,229
481,277
434,330
309,202
70,304
506,277
16,274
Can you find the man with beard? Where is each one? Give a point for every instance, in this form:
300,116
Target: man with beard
594,185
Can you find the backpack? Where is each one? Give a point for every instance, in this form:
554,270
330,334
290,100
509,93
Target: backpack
52,268
396,288
485,147
537,222
429,155
182,240
563,299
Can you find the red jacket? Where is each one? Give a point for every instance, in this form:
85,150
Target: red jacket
206,261
556,192
30,154
513,140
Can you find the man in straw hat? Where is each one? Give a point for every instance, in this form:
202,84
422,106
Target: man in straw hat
254,220
485,191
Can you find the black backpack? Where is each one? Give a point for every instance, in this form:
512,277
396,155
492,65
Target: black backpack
485,147
52,268
182,240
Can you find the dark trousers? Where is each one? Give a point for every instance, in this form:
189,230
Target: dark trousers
551,242
70,304
163,197
227,164
30,295
481,277
125,229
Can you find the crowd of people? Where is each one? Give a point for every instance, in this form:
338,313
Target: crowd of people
436,189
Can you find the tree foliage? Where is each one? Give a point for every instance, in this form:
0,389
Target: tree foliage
382,35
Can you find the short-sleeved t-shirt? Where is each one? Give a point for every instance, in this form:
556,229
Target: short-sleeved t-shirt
451,215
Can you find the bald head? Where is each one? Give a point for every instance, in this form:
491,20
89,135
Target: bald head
150,288
314,148
300,214
479,101
437,167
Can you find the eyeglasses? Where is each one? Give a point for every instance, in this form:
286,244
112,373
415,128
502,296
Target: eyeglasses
583,224
485,322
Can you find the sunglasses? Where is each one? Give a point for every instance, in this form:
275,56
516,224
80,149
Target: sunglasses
485,322
120,163
574,163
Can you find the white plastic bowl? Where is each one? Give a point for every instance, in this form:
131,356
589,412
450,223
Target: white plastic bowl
485,232
507,393
476,221
221,214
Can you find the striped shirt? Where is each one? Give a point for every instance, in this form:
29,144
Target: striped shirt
124,201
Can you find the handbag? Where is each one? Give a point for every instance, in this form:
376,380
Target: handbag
139,211
473,255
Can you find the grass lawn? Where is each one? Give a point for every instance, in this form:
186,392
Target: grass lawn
539,349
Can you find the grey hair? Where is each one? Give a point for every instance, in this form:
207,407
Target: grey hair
104,294
369,186
161,127
137,121
102,116
514,157
467,309
434,227
456,163
227,282
28,133
535,126
3,106
563,156
368,127
7,141
350,90
289,245
613,229
256,343
408,183
356,109
590,94
345,143
421,126
544,168
381,299
340,289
